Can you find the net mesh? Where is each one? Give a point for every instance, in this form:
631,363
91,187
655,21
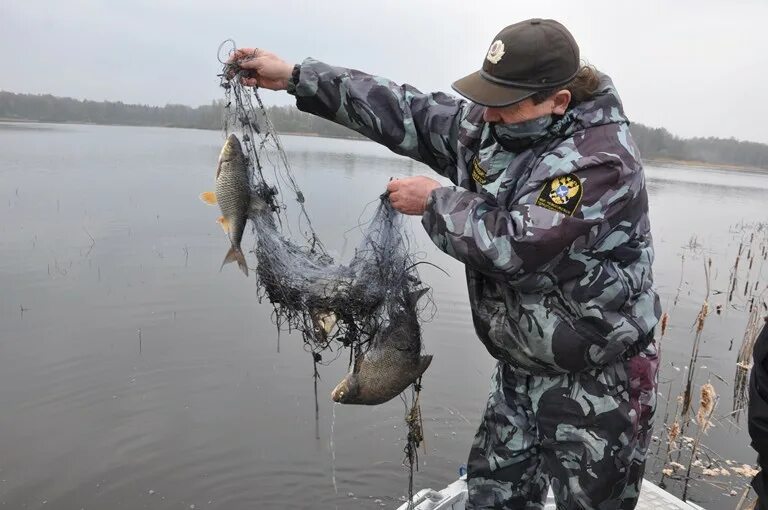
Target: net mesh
334,306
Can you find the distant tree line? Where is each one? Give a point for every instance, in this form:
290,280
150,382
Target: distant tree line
654,143
48,108
658,143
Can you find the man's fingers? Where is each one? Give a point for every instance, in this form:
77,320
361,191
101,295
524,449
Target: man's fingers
255,63
393,185
245,53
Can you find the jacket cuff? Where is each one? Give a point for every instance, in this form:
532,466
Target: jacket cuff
431,209
293,81
304,79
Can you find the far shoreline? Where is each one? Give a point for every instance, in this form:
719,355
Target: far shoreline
663,162
682,163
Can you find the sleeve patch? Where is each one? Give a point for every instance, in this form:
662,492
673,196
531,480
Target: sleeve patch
478,173
561,194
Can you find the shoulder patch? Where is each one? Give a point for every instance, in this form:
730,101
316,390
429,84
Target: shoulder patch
561,194
479,175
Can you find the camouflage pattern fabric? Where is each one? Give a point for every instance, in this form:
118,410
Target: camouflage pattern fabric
556,241
587,433
555,237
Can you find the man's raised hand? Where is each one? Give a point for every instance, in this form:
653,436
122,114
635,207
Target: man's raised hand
261,68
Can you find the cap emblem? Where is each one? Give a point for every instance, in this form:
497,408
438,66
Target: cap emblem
495,52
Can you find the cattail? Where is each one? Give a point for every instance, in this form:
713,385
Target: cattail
673,432
715,471
706,406
676,466
664,322
719,309
702,316
745,470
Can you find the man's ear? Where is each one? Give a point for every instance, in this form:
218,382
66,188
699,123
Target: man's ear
561,99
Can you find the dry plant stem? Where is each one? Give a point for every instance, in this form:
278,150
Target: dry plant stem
699,325
680,285
700,321
666,418
673,432
754,324
745,502
734,272
744,360
706,408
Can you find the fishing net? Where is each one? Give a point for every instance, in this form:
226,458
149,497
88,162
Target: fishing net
334,306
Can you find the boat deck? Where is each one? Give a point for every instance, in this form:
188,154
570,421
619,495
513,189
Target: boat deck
454,497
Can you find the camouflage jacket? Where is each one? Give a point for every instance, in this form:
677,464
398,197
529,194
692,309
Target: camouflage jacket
555,238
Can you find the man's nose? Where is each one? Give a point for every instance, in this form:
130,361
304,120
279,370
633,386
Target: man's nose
490,115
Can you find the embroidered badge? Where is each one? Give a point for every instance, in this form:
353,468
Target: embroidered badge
495,52
562,194
478,173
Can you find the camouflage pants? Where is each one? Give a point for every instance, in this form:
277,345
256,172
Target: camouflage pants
585,433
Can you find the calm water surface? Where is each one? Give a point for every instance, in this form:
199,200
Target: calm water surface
133,374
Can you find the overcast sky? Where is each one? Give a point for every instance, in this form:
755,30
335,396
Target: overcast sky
696,67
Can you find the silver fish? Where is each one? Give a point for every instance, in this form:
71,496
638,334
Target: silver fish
392,362
234,197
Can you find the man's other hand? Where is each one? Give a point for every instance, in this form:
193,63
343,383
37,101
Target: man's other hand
409,195
262,68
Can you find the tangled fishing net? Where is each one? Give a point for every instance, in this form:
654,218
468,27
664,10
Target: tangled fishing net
334,306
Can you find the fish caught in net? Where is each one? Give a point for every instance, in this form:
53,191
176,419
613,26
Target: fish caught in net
368,305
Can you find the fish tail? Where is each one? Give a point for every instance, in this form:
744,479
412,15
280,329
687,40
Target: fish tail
424,362
235,255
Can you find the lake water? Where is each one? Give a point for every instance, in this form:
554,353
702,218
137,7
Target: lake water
134,374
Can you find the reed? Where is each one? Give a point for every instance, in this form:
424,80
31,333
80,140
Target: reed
686,458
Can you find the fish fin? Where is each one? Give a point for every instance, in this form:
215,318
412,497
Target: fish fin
418,294
424,362
235,255
224,223
209,197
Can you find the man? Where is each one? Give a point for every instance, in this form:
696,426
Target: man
758,415
549,215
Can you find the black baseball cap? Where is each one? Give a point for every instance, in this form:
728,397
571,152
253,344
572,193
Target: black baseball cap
524,58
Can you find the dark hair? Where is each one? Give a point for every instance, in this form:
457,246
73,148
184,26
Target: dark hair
582,87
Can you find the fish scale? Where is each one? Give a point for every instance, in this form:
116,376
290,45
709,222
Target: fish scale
233,193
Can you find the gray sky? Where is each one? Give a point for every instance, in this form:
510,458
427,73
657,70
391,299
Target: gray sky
697,67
